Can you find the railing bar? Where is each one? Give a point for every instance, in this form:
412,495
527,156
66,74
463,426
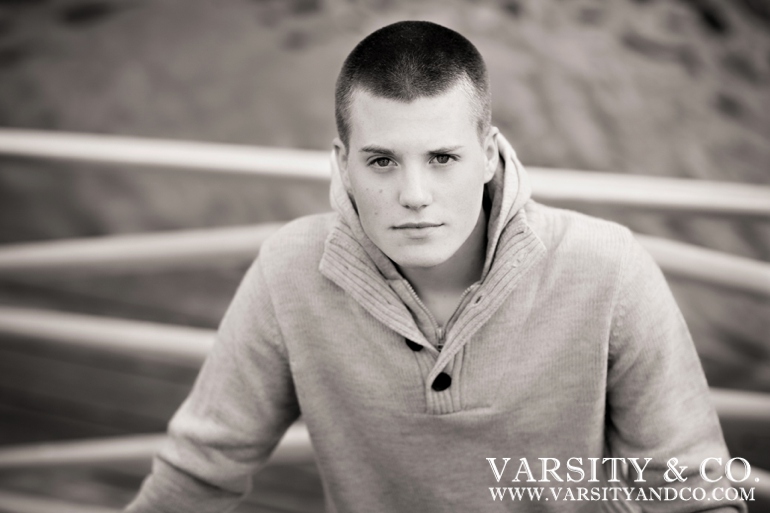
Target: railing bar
708,266
548,184
118,252
666,193
98,450
742,404
24,503
93,332
294,447
194,156
122,252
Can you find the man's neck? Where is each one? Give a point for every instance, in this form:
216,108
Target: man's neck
450,279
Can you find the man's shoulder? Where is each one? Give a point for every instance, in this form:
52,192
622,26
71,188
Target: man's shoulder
579,237
297,245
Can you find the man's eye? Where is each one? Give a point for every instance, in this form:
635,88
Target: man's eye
442,159
381,162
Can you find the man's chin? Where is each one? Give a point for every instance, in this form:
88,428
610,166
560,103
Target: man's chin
423,259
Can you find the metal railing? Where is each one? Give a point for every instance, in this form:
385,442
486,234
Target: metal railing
294,447
724,198
122,252
191,345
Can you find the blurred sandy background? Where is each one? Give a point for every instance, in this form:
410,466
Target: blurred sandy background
667,88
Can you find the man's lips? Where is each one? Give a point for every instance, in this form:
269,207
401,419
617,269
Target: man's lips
412,226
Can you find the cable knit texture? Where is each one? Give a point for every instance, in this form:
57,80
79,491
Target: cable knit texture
571,346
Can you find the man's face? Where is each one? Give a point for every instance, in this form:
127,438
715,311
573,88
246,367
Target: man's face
416,172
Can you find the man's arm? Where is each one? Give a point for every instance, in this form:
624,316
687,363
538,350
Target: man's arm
242,403
658,402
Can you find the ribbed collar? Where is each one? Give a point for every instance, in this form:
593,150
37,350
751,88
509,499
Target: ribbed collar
355,263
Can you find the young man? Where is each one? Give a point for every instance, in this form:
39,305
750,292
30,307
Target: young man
440,318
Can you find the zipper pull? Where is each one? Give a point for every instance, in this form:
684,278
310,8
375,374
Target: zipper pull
440,333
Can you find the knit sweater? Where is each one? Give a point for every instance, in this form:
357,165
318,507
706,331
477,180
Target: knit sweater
570,346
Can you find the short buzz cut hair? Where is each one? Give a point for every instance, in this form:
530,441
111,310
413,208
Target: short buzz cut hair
409,60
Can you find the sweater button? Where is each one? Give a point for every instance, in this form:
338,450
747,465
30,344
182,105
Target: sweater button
414,346
442,382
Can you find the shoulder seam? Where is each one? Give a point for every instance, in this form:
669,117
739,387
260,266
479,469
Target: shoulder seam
617,293
280,345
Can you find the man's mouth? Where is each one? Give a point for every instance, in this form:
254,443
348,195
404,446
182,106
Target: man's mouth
416,226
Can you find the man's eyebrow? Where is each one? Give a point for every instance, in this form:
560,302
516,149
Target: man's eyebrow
448,149
377,149
385,151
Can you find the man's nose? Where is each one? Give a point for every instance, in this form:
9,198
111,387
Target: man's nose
415,191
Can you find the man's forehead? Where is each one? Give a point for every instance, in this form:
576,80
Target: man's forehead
461,89
446,119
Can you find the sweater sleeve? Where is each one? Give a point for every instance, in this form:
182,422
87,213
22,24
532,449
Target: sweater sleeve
241,404
658,401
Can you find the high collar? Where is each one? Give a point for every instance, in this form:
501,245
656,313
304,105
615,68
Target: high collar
508,191
355,264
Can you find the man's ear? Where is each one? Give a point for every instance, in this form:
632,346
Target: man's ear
491,154
341,158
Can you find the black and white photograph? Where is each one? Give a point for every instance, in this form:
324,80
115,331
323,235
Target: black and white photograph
384,256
